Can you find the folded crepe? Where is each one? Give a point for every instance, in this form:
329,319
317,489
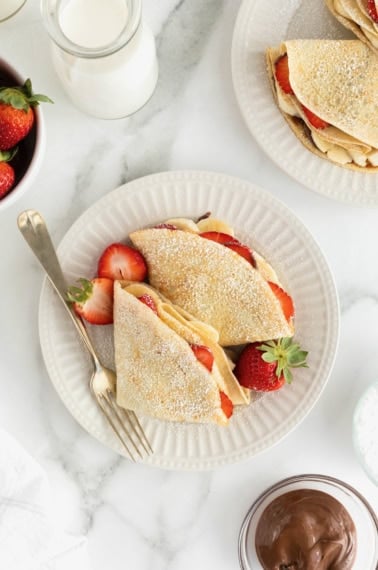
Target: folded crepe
158,372
212,282
333,99
358,16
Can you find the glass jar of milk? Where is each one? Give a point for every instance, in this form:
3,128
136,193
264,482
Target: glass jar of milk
9,7
103,53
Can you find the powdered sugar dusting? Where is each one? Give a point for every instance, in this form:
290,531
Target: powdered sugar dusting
225,291
157,372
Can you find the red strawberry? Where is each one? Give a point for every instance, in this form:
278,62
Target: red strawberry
282,74
315,121
226,404
93,301
119,261
219,237
16,113
372,10
266,367
148,300
242,250
284,298
204,355
7,174
232,243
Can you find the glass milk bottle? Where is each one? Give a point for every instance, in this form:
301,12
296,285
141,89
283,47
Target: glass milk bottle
9,7
103,53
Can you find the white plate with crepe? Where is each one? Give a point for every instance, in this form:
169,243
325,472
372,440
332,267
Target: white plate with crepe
267,226
260,25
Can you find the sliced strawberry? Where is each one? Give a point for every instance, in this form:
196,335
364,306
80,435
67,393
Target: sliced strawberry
244,251
315,121
204,355
232,243
148,300
372,10
285,300
119,261
165,227
93,301
219,237
226,404
266,367
282,74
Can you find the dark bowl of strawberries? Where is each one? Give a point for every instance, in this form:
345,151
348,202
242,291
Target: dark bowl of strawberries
22,134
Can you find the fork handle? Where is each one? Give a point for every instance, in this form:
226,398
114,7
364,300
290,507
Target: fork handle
34,230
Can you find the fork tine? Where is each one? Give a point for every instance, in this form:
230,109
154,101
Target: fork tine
109,417
116,411
133,422
146,444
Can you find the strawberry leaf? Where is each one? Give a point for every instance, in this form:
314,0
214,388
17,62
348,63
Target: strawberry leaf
269,357
22,98
286,354
297,358
80,294
288,375
7,155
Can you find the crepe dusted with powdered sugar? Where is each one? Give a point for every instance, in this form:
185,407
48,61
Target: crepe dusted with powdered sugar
158,373
212,282
356,16
337,81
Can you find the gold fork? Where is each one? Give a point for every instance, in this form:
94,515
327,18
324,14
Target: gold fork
124,423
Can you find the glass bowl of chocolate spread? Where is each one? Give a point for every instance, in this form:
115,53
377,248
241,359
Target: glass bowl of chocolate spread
309,522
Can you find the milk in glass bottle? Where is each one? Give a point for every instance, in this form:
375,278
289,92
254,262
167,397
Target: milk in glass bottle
103,53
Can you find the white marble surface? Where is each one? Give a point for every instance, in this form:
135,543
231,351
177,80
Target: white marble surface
135,516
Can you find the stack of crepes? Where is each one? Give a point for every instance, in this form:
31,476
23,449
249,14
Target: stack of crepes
201,297
158,372
329,98
359,16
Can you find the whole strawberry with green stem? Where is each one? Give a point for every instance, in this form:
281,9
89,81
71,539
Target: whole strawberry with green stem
16,113
267,366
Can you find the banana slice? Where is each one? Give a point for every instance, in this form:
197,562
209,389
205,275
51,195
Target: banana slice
214,225
265,269
184,224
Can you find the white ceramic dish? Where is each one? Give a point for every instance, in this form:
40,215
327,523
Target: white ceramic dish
268,226
261,24
33,146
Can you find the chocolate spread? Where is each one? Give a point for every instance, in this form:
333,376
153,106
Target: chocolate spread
305,530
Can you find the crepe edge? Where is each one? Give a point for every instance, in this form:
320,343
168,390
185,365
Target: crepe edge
300,129
351,26
218,417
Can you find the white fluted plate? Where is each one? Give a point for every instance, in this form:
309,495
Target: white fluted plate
259,25
267,226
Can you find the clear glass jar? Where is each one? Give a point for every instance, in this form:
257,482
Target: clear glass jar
103,53
9,7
